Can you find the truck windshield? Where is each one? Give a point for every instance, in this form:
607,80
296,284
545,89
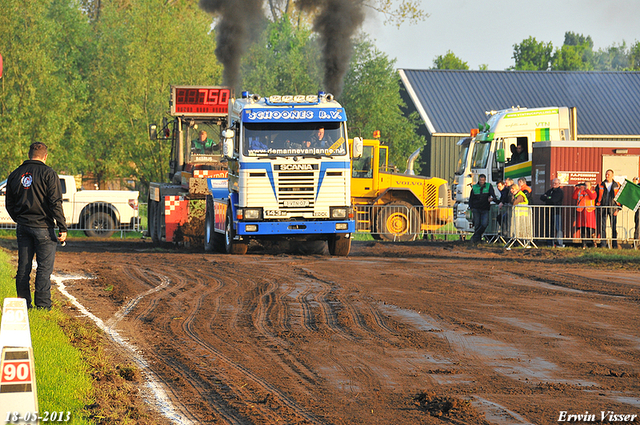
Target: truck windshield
462,159
480,155
285,139
204,139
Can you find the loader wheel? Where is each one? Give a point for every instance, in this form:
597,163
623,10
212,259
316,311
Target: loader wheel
398,221
231,246
99,225
339,245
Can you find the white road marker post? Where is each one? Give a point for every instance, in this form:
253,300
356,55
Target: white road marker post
18,396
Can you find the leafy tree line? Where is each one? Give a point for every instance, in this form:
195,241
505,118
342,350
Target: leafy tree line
87,77
576,54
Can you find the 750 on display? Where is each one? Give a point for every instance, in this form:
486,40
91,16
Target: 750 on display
200,101
15,417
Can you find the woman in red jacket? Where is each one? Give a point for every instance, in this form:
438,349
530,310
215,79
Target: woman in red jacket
586,212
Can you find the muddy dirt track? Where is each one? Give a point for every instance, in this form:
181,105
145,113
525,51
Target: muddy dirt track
418,333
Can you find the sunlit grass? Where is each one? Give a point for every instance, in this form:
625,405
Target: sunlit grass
62,379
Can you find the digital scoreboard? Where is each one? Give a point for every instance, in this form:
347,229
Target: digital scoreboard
200,101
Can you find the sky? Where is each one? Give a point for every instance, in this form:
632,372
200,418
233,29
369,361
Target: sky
484,32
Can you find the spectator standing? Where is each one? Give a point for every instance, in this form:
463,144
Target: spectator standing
508,199
518,196
586,212
503,197
553,198
34,202
607,191
519,220
522,182
480,203
636,218
502,190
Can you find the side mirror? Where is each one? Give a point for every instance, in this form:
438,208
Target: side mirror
227,148
500,155
358,147
227,145
153,131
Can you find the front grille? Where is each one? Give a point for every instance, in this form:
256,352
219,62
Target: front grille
295,188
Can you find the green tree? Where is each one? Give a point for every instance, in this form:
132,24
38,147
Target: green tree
634,57
142,48
532,55
406,10
286,60
42,92
449,61
612,58
372,100
576,54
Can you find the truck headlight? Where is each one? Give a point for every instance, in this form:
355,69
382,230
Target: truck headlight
252,213
339,213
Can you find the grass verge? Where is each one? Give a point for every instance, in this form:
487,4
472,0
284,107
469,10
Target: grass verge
75,372
62,379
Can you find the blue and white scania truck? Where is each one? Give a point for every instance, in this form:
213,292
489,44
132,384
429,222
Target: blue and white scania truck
288,175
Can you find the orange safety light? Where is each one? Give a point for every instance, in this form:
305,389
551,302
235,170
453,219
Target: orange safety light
376,134
473,132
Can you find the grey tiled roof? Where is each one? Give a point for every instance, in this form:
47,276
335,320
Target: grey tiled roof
608,103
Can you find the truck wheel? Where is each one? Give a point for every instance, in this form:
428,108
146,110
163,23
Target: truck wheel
339,245
99,224
209,233
398,221
231,246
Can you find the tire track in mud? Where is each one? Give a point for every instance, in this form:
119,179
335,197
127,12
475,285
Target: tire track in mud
155,384
202,386
259,382
241,393
353,311
137,273
278,347
308,320
187,374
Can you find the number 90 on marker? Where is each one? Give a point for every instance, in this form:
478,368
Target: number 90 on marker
16,371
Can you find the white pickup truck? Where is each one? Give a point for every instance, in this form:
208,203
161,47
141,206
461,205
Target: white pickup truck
97,212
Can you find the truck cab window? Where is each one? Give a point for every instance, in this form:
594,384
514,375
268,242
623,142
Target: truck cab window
462,159
497,168
517,150
480,155
362,166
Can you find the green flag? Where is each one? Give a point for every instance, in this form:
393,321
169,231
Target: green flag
629,195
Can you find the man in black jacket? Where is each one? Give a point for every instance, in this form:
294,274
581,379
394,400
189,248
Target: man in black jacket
34,202
480,203
607,191
553,198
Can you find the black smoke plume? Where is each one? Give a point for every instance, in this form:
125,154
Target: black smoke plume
239,23
335,22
